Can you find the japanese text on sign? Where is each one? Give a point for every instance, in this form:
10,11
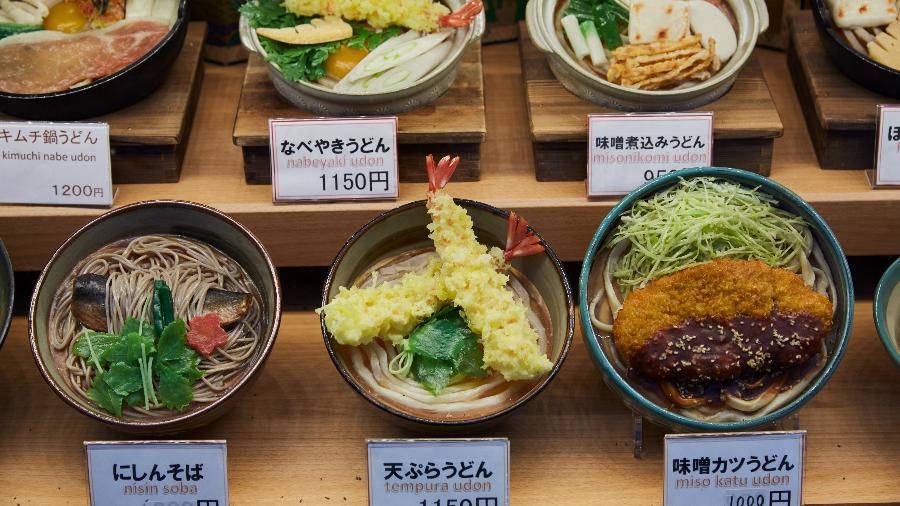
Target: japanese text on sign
439,472
887,162
627,150
55,163
332,159
752,469
164,473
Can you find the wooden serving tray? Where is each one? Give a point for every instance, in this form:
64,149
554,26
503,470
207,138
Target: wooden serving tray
148,139
453,124
840,114
746,122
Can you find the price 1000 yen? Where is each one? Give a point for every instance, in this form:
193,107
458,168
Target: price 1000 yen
370,181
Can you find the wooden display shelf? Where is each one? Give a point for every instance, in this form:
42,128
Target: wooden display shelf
745,123
841,115
148,140
298,436
453,123
865,221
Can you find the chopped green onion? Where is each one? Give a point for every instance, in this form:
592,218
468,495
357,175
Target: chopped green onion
598,55
576,39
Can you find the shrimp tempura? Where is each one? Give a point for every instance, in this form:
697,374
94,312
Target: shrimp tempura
356,316
419,15
473,277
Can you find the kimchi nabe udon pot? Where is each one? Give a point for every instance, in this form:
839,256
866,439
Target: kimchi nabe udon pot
641,397
187,221
398,234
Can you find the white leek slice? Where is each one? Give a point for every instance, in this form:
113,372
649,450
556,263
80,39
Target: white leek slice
400,53
346,83
598,55
576,39
408,73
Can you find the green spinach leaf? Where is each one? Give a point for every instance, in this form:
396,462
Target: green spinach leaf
101,393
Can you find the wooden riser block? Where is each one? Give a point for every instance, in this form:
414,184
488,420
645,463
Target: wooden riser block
148,140
453,124
257,162
840,114
746,121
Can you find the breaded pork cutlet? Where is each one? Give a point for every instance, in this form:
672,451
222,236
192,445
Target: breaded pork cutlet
719,320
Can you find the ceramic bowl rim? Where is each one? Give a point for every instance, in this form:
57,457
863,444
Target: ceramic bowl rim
823,18
181,20
567,342
719,79
734,175
7,268
882,297
171,423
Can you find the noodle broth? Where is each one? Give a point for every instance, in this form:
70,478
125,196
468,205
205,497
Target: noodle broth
190,268
470,399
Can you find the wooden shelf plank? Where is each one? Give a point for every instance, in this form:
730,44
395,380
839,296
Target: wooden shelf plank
299,433
866,221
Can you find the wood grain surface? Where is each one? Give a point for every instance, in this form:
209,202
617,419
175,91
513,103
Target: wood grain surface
840,114
865,221
298,435
745,124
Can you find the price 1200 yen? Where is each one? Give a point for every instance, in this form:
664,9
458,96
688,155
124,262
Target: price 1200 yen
75,190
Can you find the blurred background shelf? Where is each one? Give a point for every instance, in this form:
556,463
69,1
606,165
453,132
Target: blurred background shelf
298,436
865,220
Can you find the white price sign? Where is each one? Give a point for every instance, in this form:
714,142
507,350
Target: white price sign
627,150
887,163
439,472
736,469
334,159
157,473
55,163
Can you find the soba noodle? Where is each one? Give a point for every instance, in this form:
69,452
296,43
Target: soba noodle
809,265
190,268
464,397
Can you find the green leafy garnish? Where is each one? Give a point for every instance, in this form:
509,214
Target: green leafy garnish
305,62
162,306
142,368
609,16
442,348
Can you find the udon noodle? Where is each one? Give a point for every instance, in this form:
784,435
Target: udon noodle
190,268
465,397
607,298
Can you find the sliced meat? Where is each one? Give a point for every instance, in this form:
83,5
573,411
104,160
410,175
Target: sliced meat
57,63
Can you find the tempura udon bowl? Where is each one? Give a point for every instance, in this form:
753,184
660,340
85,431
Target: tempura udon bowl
886,308
403,231
542,18
643,400
185,221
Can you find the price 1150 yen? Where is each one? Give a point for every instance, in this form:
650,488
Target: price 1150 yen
370,181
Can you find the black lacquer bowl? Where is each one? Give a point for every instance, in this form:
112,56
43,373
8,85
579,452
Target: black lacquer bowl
6,293
855,65
109,93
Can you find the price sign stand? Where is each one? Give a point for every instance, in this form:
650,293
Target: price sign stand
790,423
886,173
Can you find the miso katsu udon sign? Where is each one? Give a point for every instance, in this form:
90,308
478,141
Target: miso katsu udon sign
55,163
149,473
439,472
333,159
627,150
735,469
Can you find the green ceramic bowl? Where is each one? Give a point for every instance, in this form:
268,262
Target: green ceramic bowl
6,293
887,310
602,347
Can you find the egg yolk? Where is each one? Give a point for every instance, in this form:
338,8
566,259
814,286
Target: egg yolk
342,61
65,17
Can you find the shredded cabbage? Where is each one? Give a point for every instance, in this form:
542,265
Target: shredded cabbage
699,220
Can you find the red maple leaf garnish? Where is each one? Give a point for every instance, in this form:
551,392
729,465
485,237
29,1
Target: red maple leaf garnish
206,334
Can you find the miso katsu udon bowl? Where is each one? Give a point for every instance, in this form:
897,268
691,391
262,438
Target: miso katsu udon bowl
715,299
391,264
155,317
646,55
